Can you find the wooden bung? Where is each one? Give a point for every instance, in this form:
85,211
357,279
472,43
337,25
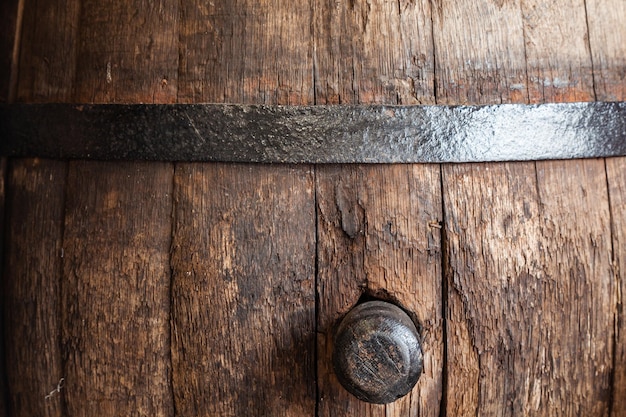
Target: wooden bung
377,355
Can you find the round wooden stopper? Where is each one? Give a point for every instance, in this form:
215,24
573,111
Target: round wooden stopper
377,354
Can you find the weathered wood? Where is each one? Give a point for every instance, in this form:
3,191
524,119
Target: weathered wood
32,272
128,51
256,259
49,43
378,51
373,52
115,289
10,33
607,39
616,178
40,72
532,297
246,51
485,364
558,58
105,373
4,387
541,53
379,235
243,292
479,52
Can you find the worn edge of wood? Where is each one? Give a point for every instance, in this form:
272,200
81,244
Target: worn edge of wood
314,134
4,383
11,12
616,184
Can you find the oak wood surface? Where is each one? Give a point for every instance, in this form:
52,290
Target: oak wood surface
558,59
243,290
10,32
246,51
532,295
34,227
483,368
300,52
31,287
479,58
353,62
607,40
616,175
127,51
68,55
379,236
48,51
115,289
246,285
118,225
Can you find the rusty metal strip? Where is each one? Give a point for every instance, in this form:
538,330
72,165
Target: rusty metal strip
314,134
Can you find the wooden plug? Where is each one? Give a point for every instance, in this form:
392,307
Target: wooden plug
377,354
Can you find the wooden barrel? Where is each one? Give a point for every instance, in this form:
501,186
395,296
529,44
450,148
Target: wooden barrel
213,289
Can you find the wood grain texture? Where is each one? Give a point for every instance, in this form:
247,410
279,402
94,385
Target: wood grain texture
532,297
479,52
115,289
246,51
49,44
4,386
616,176
379,235
607,38
281,52
541,54
373,52
128,51
558,58
35,204
43,71
243,293
10,33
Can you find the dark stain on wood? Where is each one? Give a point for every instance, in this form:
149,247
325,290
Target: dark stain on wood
32,279
243,266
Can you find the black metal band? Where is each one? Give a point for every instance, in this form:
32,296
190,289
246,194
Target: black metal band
314,134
